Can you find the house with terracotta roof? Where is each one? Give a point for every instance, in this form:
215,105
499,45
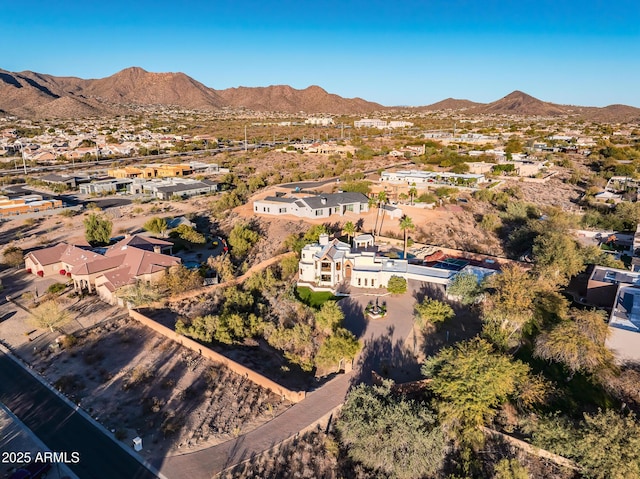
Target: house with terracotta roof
135,258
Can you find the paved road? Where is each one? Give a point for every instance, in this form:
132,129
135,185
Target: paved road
64,429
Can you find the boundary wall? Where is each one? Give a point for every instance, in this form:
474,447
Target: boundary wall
260,380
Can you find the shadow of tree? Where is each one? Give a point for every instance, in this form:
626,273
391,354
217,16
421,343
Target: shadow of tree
465,325
390,360
429,290
354,319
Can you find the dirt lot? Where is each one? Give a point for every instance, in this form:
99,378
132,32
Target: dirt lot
138,383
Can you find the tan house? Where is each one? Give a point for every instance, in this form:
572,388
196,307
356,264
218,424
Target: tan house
135,258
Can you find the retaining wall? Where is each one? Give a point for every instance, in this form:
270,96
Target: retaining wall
293,396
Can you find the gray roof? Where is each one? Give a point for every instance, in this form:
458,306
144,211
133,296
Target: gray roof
182,187
279,199
335,199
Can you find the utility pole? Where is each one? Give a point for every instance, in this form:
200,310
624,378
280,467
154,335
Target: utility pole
24,162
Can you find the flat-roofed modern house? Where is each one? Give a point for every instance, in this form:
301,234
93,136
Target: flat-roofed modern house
26,204
112,185
425,178
166,188
329,263
321,206
619,290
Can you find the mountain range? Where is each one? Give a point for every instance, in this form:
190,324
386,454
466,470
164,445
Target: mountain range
29,94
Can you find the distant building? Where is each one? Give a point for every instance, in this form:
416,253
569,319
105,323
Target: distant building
152,171
370,123
113,185
423,178
322,121
166,188
70,181
26,204
399,124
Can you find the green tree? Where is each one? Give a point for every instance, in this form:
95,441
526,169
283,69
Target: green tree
510,308
577,342
413,192
399,438
156,225
342,344
138,294
50,315
470,380
406,225
329,317
381,201
178,279
606,445
510,469
490,222
241,239
350,229
433,311
288,267
297,343
97,230
188,233
558,257
466,288
397,285
513,145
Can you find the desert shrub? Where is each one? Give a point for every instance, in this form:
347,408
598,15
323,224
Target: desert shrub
13,256
68,341
69,383
397,285
56,288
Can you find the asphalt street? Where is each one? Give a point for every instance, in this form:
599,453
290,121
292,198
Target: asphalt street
63,429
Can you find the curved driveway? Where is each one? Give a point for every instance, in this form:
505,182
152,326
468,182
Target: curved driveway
384,351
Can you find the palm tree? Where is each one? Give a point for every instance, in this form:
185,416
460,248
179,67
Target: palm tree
406,224
413,192
382,200
350,229
403,197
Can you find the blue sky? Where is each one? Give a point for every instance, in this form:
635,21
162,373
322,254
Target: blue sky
395,53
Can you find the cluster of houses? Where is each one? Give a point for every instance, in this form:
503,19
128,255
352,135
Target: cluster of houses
161,181
134,258
56,144
163,189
